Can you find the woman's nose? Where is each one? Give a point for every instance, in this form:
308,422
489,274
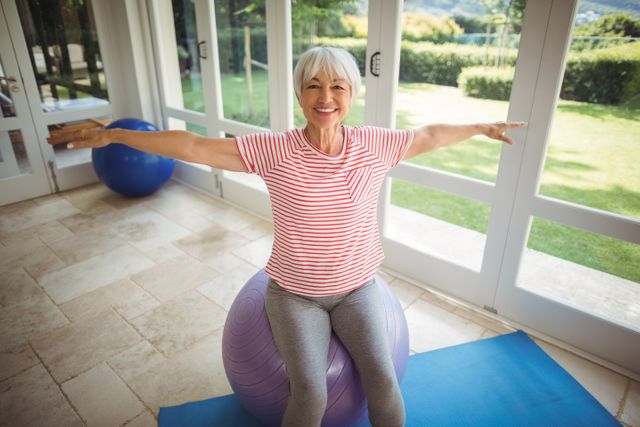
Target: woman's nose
325,95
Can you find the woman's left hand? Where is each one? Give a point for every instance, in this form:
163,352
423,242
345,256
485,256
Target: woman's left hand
496,130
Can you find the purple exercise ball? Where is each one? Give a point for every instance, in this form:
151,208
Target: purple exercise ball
257,373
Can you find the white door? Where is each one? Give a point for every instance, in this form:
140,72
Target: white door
55,48
23,173
559,252
571,262
444,212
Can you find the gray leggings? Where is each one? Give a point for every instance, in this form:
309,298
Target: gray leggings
302,330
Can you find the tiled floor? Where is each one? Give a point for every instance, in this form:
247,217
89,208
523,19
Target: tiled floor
111,308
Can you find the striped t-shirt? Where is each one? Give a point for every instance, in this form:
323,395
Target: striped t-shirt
326,238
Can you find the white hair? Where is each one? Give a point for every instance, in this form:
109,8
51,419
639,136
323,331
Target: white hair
337,62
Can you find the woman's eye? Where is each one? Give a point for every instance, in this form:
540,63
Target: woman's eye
338,87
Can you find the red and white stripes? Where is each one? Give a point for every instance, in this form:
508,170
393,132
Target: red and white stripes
324,206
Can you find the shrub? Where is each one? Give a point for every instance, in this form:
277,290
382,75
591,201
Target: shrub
605,76
442,64
486,82
424,27
357,47
355,25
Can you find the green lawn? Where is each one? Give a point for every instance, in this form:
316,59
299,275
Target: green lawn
592,160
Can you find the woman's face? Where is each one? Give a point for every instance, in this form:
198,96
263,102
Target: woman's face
325,100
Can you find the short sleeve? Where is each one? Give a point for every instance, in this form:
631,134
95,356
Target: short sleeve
261,152
389,145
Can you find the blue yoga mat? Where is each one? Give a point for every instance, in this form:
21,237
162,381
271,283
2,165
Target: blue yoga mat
503,381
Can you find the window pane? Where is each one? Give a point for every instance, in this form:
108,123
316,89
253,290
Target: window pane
13,156
456,66
438,223
593,152
242,48
341,24
184,19
595,273
65,56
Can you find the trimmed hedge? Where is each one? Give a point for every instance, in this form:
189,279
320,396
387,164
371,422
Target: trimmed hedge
486,82
606,76
424,61
441,64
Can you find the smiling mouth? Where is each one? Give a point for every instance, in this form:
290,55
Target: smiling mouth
326,110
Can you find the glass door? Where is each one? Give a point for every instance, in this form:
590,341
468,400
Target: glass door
23,173
58,50
441,208
572,261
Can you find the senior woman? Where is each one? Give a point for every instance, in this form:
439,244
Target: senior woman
323,181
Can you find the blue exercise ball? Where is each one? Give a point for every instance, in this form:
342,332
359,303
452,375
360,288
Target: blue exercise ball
131,172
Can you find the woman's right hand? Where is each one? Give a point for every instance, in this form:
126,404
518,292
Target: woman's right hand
90,138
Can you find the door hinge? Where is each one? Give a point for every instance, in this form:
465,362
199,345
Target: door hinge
374,64
490,309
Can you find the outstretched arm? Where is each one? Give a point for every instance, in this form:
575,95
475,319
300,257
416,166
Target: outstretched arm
220,153
430,137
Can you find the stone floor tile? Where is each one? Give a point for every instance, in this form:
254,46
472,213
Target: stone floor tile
31,255
177,209
35,215
194,374
17,207
225,263
256,252
32,398
631,413
89,198
163,252
257,230
48,232
386,275
91,274
174,277
20,321
232,218
82,246
145,419
15,360
79,346
123,295
486,321
224,289
179,323
136,360
101,398
17,286
406,292
147,229
211,243
431,327
605,385
101,217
